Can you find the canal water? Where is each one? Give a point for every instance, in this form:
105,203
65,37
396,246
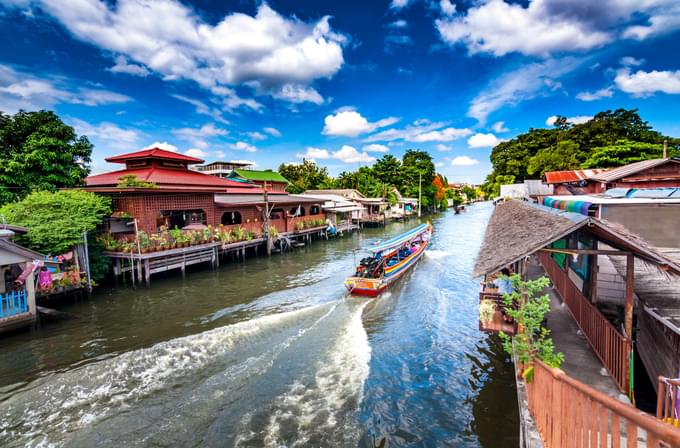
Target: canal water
271,352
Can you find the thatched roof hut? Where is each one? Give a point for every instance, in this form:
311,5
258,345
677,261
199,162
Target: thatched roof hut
518,229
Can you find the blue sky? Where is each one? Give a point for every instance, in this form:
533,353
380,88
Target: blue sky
340,82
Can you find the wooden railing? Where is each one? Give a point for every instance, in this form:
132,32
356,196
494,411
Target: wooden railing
668,400
609,345
569,413
13,303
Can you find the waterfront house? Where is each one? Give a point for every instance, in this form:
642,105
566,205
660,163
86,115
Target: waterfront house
18,267
267,179
157,192
568,246
220,168
341,212
572,181
532,190
376,208
654,173
532,240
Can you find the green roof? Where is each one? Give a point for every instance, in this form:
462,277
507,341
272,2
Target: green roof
268,175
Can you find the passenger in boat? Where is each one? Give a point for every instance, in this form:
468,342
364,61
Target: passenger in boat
414,248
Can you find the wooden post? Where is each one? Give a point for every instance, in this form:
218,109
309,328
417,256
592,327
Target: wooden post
30,292
630,284
593,276
147,273
139,270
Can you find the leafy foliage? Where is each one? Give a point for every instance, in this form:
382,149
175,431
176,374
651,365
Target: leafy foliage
39,152
597,143
56,221
304,176
534,341
131,181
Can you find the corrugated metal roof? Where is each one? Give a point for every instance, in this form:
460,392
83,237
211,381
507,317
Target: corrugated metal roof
271,176
627,170
560,177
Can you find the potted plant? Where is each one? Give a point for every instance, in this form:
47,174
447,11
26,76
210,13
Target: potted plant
487,310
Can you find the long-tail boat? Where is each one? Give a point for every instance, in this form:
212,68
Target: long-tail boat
388,261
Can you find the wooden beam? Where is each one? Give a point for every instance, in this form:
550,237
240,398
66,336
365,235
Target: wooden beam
630,285
586,251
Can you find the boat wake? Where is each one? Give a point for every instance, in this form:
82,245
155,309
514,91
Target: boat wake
199,388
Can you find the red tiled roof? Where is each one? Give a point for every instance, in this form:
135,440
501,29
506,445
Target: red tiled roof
169,178
560,177
153,153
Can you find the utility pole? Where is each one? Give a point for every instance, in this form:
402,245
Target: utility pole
420,192
665,148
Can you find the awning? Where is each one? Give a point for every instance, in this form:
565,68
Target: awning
344,209
581,207
398,240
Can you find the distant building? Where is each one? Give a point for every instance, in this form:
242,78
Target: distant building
271,180
572,181
221,169
531,189
654,173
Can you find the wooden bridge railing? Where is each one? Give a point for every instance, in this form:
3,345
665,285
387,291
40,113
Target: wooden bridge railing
569,413
668,400
609,345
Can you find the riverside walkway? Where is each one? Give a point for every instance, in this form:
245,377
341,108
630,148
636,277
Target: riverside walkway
580,361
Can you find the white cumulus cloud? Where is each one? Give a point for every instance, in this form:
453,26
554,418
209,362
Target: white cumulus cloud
578,119
243,146
642,83
375,147
499,127
463,161
607,92
271,53
107,131
481,140
162,145
421,131
315,153
195,152
350,123
272,131
443,148
349,154
123,66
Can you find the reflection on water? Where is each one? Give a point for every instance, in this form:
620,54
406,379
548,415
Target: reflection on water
271,353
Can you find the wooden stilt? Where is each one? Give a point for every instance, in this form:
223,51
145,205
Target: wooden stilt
147,273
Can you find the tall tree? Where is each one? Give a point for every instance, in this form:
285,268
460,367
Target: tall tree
624,152
304,176
39,152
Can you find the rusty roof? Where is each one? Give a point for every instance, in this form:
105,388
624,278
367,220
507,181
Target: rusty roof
633,168
561,177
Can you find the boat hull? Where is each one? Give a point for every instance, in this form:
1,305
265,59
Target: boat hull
374,287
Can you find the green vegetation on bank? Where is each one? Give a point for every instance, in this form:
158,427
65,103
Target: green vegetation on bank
379,180
609,139
39,152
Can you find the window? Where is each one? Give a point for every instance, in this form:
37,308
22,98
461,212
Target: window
297,211
314,210
276,213
180,218
231,218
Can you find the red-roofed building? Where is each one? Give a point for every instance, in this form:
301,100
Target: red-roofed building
572,181
158,189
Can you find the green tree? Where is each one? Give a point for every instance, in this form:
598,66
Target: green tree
565,155
387,169
39,152
624,152
56,221
418,169
304,176
569,146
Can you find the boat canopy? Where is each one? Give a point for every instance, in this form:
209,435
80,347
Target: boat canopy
398,240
